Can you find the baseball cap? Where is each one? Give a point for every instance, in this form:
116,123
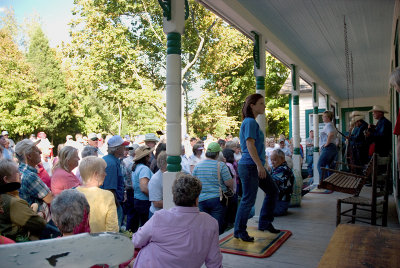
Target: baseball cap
213,147
116,140
4,132
93,137
24,145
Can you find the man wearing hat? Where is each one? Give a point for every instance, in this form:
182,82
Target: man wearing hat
382,134
151,140
93,141
358,143
114,180
33,189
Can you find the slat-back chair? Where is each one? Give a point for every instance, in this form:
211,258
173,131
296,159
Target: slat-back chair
379,197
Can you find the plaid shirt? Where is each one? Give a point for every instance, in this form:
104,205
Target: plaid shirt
33,189
284,179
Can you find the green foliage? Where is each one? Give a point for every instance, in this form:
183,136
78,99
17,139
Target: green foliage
20,108
58,119
210,116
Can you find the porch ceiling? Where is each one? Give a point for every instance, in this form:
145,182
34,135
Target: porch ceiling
310,33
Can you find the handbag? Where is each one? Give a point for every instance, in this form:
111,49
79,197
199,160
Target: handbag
223,196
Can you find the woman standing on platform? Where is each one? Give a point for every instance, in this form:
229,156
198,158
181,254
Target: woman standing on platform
252,172
327,141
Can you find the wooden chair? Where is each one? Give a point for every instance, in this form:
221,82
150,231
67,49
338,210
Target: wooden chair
379,196
81,250
346,182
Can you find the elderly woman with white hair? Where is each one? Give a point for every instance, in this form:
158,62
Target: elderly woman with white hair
70,211
103,213
63,178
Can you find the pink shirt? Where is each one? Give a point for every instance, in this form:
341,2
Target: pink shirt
62,180
178,237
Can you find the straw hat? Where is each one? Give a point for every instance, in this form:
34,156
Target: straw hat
356,113
358,117
142,151
378,108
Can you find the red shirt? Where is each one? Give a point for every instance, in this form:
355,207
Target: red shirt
397,126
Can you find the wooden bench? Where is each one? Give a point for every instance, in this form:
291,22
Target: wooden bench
347,182
82,250
362,246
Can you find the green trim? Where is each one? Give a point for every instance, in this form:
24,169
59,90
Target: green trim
296,100
294,74
290,116
315,110
346,110
327,102
296,151
337,121
256,50
186,9
260,82
166,7
174,43
174,163
316,149
307,115
314,92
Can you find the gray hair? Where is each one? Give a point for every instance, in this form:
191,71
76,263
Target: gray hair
89,151
66,153
162,160
212,155
68,209
112,150
6,169
231,145
395,78
279,153
185,190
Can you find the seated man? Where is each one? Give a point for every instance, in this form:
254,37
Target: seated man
181,236
284,179
33,189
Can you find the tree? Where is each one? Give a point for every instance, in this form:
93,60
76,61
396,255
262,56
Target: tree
55,100
20,109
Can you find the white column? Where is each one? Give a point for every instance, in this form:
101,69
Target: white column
259,73
315,94
174,24
296,118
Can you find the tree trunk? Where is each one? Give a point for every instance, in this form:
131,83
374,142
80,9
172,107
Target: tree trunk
120,119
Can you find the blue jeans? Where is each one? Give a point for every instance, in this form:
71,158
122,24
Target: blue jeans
327,159
250,182
214,207
309,161
140,214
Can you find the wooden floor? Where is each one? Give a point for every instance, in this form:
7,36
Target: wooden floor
312,226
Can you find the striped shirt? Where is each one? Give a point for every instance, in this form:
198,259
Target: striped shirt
206,172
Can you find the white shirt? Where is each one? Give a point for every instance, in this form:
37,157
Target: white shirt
323,134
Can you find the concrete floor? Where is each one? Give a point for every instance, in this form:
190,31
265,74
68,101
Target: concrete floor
312,226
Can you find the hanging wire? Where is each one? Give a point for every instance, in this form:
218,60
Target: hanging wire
352,75
346,54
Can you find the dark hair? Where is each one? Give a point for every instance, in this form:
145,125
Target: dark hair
193,139
251,99
221,142
229,155
212,155
160,147
143,161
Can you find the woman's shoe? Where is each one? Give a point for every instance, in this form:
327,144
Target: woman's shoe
270,228
244,237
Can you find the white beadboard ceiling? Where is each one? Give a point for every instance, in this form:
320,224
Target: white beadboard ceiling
310,33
